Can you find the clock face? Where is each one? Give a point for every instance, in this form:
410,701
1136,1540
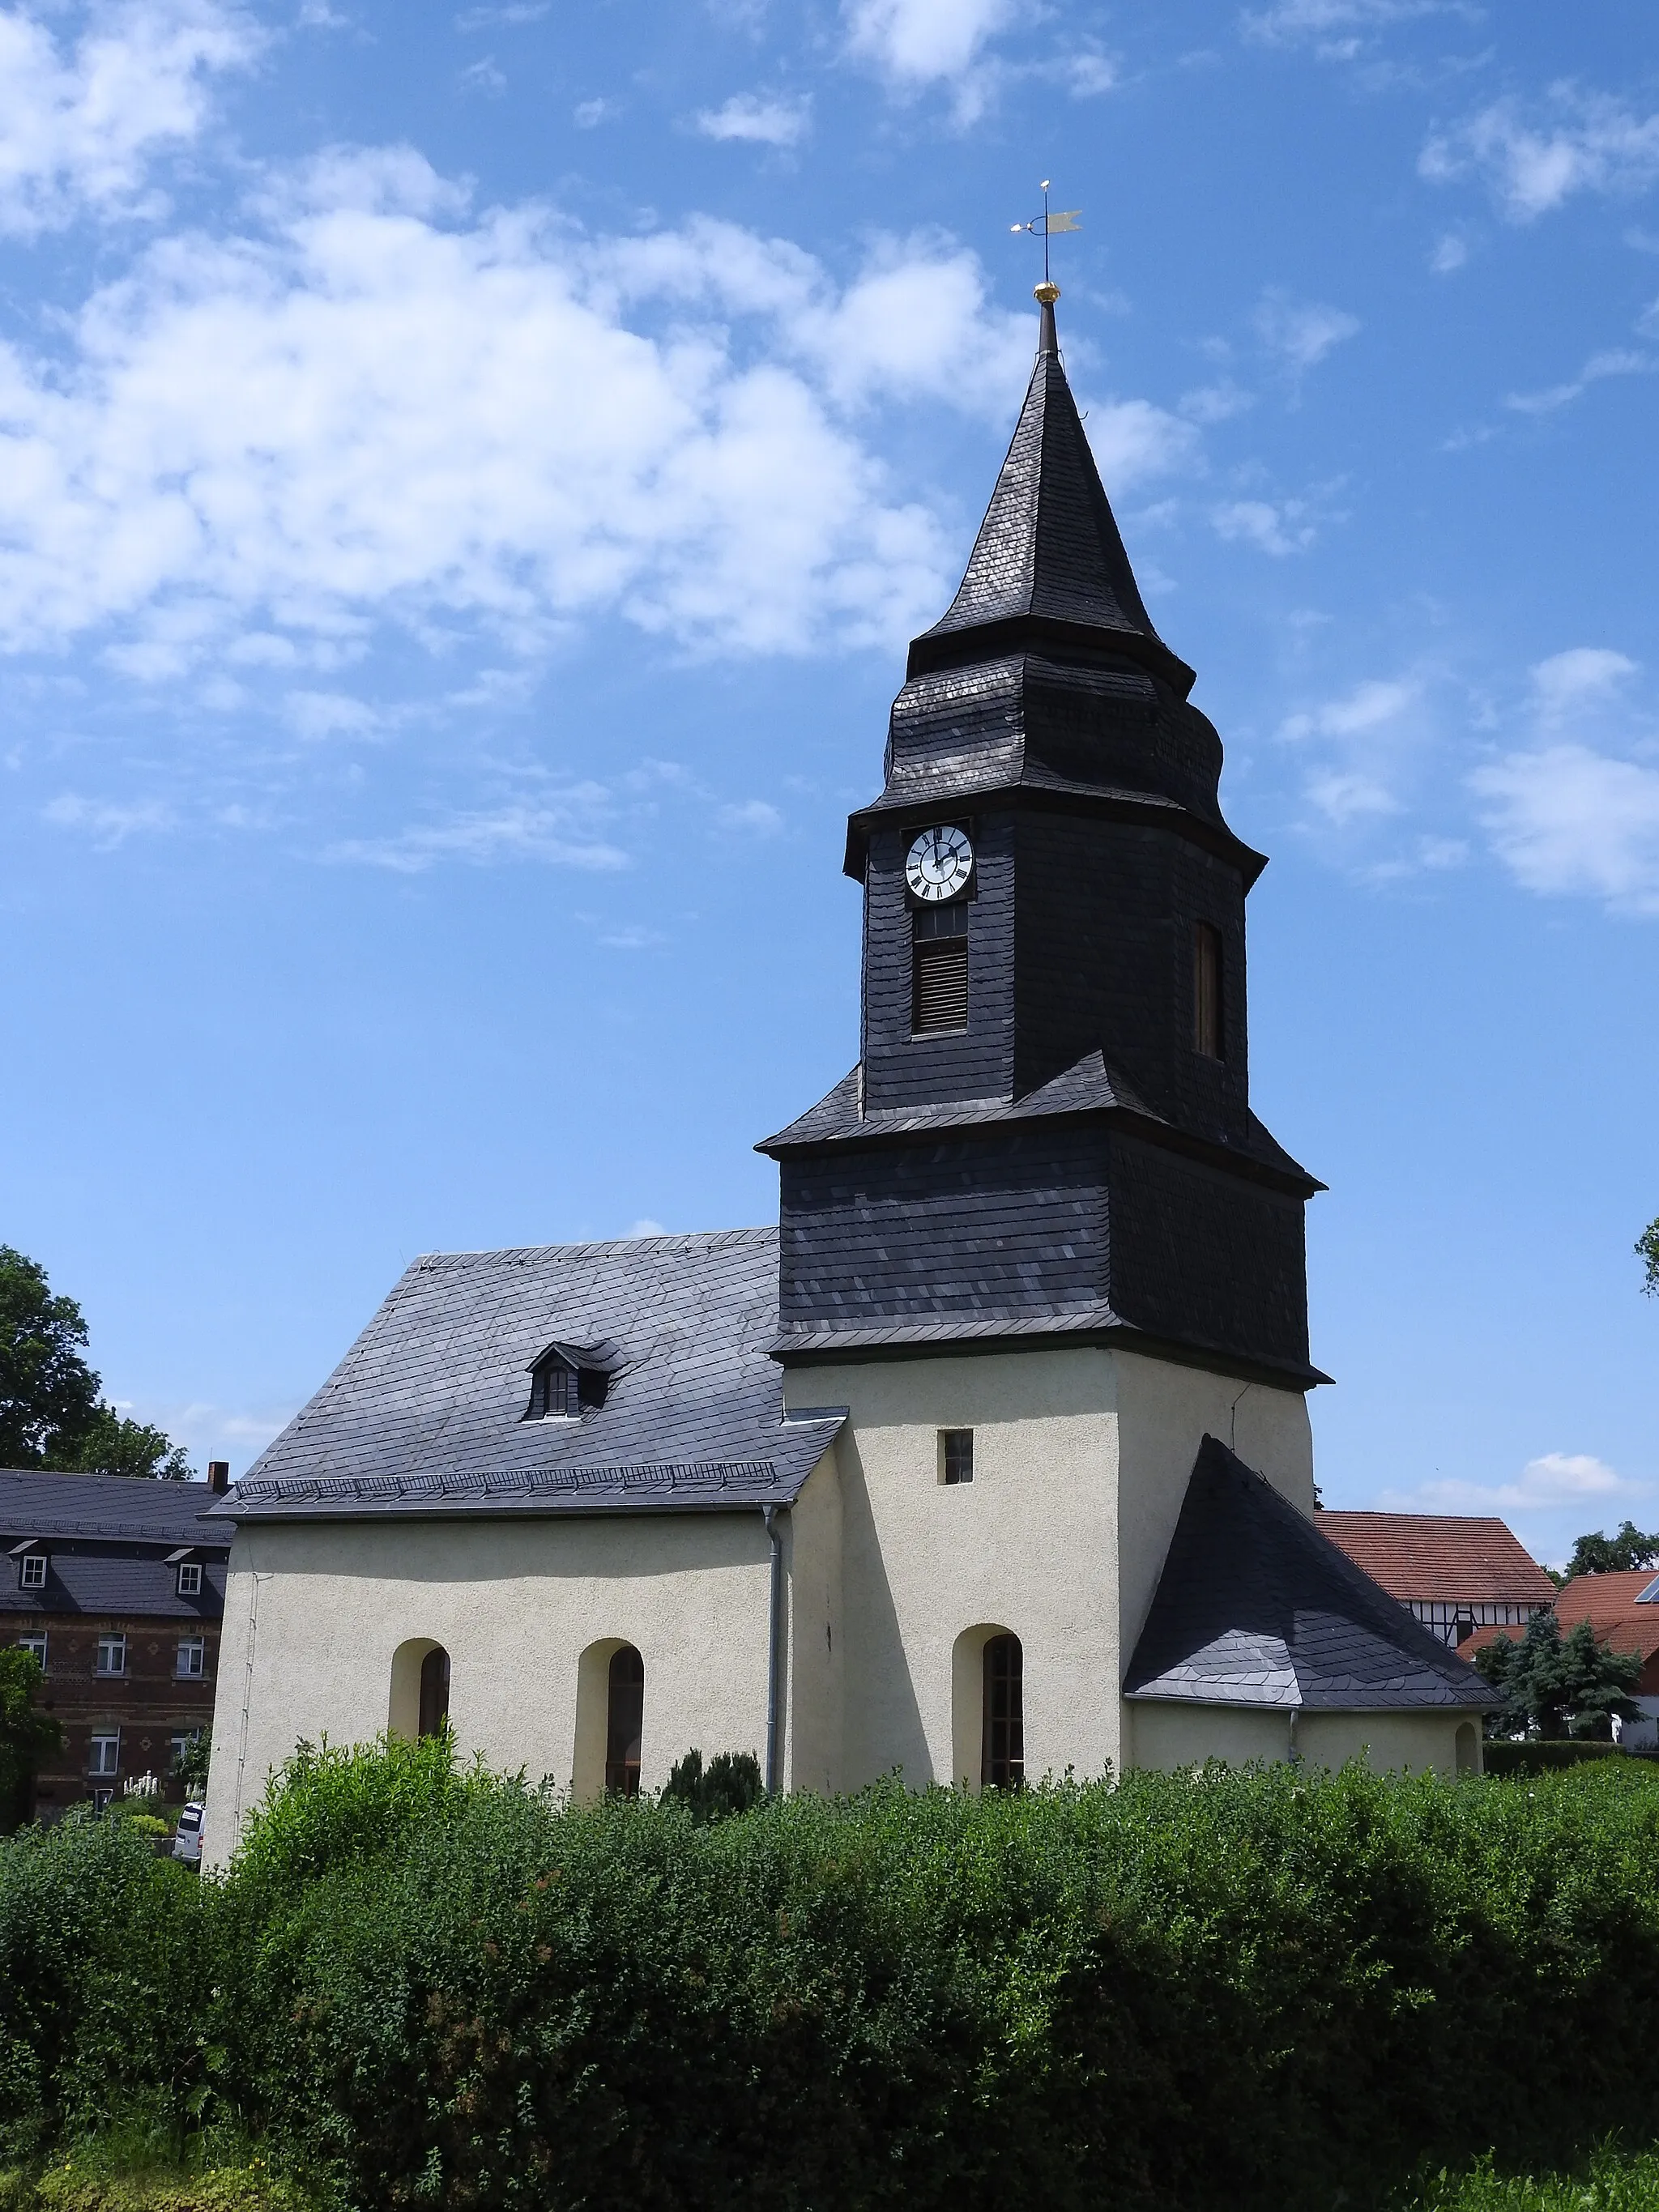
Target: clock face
938,864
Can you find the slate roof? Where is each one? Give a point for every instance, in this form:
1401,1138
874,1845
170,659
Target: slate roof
1254,1606
1090,1087
425,1415
107,1538
1050,546
1441,1558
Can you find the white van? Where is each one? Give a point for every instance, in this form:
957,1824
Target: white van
188,1843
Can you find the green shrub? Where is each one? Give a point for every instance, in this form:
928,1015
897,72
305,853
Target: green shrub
1540,1757
1262,1989
730,1783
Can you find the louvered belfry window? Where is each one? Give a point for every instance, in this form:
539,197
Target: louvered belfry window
939,989
1207,1032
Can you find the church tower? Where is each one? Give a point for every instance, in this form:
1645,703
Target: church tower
1048,1136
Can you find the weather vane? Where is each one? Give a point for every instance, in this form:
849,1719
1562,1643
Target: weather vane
1045,227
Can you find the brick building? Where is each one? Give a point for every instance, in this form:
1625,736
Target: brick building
117,1587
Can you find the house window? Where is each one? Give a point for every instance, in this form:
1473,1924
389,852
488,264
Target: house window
192,1658
112,1654
178,1746
435,1692
553,1392
624,1723
106,1751
31,1571
955,1455
1207,1030
190,1581
939,970
1003,1765
34,1641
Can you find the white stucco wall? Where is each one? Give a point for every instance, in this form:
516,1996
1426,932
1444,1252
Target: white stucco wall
1170,1734
313,1614
1407,1743
1081,1458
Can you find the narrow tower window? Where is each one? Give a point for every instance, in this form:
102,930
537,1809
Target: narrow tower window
625,1723
1003,1766
956,1448
939,989
1206,990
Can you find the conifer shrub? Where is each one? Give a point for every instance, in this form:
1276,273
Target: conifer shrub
1257,1989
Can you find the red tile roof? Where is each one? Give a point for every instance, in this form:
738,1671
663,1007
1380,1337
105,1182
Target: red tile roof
1440,1557
1609,1604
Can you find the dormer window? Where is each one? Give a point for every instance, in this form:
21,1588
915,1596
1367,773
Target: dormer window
565,1383
32,1572
190,1579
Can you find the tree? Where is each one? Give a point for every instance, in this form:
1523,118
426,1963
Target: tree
51,1413
1647,1251
1596,1554
1562,1686
47,1391
190,1767
730,1783
27,1737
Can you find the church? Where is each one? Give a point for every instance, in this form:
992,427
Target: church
991,1461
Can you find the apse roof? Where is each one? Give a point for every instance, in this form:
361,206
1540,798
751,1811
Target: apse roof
425,1414
1255,1608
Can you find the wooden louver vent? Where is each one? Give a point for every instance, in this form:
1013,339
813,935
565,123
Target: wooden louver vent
939,993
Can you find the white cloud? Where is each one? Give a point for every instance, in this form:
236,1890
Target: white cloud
1591,143
1278,529
556,831
588,114
1450,253
483,76
1300,333
1566,819
915,44
1133,439
644,1226
749,117
107,823
754,814
316,715
1568,816
1368,707
372,407
516,12
1362,741
1338,30
1619,361
1553,1479
1089,75
81,124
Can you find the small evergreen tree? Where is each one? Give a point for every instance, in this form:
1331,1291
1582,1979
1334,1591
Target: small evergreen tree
1559,1684
27,1736
730,1783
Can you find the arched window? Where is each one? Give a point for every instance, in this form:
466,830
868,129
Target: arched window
434,1692
1002,1766
625,1722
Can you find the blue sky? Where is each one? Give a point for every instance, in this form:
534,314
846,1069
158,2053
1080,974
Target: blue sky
469,478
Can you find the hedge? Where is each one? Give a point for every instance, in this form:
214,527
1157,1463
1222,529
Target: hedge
433,1987
1502,1757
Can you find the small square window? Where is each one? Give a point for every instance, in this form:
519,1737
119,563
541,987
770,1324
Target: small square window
190,1581
956,1454
32,1574
34,1642
192,1658
106,1752
112,1654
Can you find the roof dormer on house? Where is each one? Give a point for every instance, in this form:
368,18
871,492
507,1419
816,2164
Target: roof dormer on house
567,1380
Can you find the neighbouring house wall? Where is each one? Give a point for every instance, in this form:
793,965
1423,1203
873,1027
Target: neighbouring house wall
314,1614
1170,1733
1029,1545
1413,1742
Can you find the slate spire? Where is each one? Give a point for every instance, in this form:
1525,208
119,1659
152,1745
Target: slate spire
1048,558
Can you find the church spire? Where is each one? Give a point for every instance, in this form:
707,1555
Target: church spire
1048,564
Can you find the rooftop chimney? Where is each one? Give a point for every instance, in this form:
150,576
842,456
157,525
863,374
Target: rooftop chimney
218,1476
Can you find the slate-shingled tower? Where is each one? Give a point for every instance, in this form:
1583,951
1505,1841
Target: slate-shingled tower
1075,1158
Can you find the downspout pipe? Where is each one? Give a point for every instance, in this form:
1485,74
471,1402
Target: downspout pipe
774,1656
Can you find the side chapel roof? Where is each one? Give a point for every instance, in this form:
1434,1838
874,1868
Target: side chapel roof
1255,1608
425,1414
